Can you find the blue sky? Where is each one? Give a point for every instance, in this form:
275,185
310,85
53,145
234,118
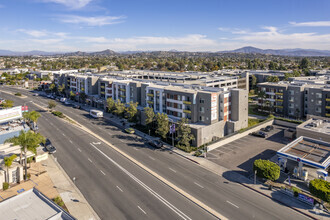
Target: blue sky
191,25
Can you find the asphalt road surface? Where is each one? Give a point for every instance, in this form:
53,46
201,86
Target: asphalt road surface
225,196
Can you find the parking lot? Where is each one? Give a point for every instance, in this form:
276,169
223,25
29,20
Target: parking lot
240,154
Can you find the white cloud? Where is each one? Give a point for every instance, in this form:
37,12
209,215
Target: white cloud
311,24
192,42
72,4
41,33
50,41
273,38
91,21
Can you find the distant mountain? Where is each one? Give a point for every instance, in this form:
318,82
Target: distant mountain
244,50
280,52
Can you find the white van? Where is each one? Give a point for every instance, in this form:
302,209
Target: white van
96,113
63,99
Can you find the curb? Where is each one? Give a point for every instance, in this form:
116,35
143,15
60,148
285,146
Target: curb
297,210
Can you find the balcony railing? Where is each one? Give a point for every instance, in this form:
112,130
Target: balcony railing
278,93
279,100
328,100
122,96
102,87
122,90
150,102
327,107
187,102
278,106
186,111
327,114
150,94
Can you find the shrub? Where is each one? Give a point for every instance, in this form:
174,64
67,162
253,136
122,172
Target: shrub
266,169
320,189
58,114
18,94
197,153
5,186
58,200
28,176
296,191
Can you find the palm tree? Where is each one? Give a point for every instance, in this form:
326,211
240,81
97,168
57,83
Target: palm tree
8,163
29,141
34,116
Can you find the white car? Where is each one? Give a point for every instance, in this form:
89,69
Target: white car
35,94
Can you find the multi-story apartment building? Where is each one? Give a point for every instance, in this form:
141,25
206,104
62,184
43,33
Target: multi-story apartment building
214,106
298,97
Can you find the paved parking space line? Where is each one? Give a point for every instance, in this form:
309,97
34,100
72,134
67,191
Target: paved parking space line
199,185
102,172
232,204
119,189
142,210
172,170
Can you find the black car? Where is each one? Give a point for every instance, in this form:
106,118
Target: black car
77,106
259,134
268,128
49,147
155,143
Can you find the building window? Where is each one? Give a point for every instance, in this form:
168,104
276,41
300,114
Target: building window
318,95
201,109
201,101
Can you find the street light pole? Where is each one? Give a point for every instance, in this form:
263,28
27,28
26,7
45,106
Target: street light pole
255,177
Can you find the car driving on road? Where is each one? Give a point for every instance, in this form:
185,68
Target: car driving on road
155,143
49,147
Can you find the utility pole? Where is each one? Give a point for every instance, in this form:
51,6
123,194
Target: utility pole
255,177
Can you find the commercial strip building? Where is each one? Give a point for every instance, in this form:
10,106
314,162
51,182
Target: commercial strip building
214,105
298,97
32,204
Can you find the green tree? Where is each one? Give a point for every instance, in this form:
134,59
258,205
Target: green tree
61,88
111,104
150,116
29,141
273,79
266,169
8,163
119,108
34,116
83,97
7,104
131,110
304,63
184,134
51,104
272,65
162,125
253,81
320,188
72,95
52,87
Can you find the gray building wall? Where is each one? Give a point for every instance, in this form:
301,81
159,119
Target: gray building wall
239,108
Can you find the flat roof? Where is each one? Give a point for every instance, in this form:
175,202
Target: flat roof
309,151
32,204
320,125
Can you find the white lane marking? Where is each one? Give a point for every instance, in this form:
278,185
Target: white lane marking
46,119
172,169
232,204
151,158
90,160
63,134
142,210
102,172
160,198
51,123
79,149
199,185
119,188
70,141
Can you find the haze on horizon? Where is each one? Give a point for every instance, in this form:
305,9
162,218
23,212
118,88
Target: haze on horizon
130,25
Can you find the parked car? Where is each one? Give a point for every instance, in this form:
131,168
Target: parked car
49,147
57,99
268,128
130,130
35,94
63,99
155,143
67,103
259,134
77,106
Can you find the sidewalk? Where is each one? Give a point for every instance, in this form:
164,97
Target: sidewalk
70,194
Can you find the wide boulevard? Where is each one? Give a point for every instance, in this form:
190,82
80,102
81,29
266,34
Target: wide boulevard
116,188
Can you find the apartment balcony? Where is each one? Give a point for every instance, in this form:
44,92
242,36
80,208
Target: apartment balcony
102,87
279,100
278,106
102,93
328,100
327,114
150,102
270,93
187,102
122,96
150,94
186,111
123,90
278,93
327,107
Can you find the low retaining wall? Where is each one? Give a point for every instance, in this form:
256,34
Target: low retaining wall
238,136
285,123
